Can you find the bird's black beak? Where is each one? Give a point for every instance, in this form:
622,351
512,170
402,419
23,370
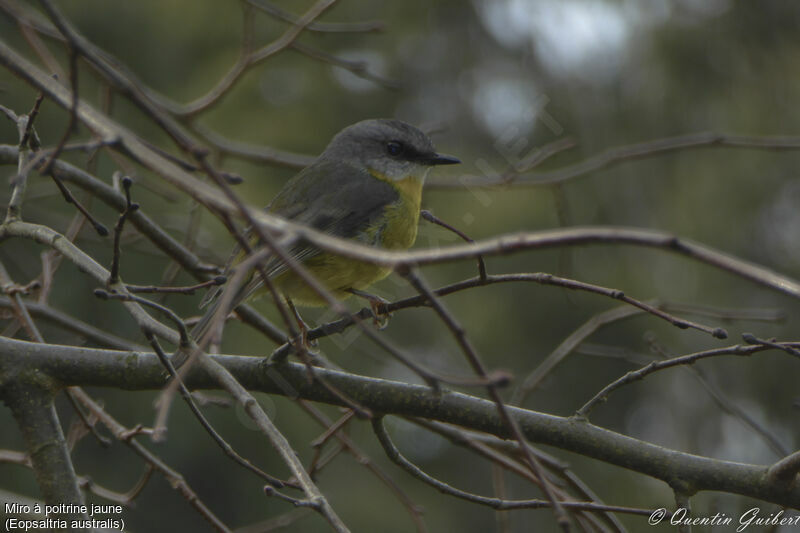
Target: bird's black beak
440,159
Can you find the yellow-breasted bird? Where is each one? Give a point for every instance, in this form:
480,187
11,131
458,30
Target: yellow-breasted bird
366,186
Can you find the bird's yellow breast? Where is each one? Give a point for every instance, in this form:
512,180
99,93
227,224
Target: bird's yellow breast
396,229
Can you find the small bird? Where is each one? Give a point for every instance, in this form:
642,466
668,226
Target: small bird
365,186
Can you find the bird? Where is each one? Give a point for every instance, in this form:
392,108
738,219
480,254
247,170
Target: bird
365,186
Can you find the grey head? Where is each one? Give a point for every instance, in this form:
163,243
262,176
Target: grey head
390,147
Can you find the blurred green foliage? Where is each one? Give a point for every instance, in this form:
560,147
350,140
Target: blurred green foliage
603,73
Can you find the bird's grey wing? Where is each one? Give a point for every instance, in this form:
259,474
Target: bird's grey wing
329,196
333,197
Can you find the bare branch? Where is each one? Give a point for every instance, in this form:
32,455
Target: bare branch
567,346
323,27
726,404
357,68
259,154
145,289
248,59
621,154
786,470
90,367
430,217
73,108
542,278
655,366
130,207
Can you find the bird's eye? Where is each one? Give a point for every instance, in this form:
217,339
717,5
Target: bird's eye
394,148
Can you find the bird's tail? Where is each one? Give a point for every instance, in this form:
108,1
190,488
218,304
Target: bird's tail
201,328
212,302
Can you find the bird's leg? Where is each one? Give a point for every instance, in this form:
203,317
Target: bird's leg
309,345
381,319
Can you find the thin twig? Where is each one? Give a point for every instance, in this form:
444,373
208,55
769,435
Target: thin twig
543,278
189,290
169,313
73,110
414,510
217,315
749,338
30,137
18,306
357,68
430,217
29,33
248,59
69,323
567,346
89,425
323,27
114,73
257,153
70,199
724,403
219,310
621,154
51,260
14,210
33,331
655,366
130,207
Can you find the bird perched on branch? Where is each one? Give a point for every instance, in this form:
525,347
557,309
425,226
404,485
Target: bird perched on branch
366,186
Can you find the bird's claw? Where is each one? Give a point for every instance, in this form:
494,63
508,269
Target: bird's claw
303,343
379,318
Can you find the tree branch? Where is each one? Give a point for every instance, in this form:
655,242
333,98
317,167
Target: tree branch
33,409
620,154
143,371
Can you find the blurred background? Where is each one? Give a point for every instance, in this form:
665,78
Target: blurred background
492,81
